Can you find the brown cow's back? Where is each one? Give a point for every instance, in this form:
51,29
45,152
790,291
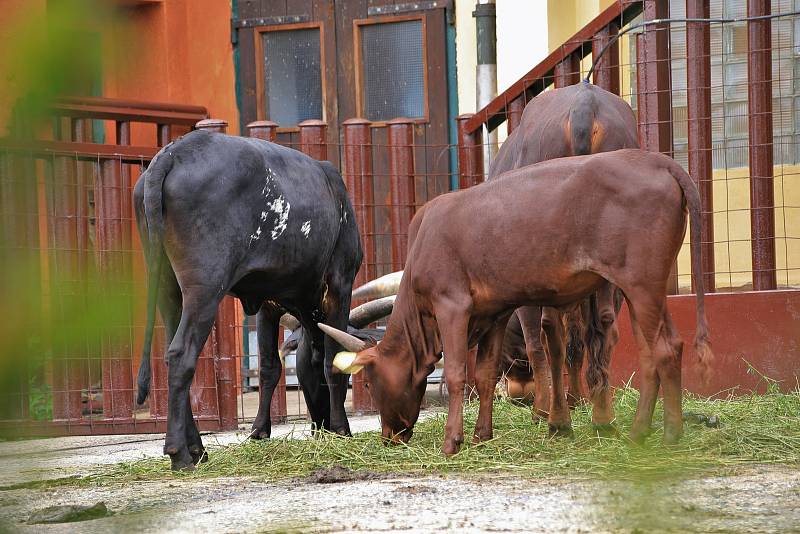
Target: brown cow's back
565,122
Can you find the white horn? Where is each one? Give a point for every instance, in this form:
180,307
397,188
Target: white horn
371,311
351,343
384,286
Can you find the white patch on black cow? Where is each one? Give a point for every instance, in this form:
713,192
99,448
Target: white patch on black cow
306,228
276,212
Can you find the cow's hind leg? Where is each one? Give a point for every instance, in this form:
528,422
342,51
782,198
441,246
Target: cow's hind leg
487,365
269,369
575,356
311,377
558,421
337,312
530,318
660,350
601,338
195,325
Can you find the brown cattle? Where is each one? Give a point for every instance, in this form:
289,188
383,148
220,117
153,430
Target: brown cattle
576,120
581,223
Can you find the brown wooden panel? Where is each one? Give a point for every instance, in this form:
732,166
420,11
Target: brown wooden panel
300,7
249,9
247,75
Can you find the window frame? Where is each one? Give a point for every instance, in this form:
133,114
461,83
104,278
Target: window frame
261,107
358,63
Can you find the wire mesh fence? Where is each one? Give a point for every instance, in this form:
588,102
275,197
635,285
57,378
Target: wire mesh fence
72,254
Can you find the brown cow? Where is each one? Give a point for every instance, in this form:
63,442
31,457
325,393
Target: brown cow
576,120
581,223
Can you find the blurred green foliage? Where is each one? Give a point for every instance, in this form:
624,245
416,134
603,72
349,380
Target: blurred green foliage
50,311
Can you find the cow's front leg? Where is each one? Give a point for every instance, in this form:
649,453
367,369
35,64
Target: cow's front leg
337,382
269,370
487,367
452,320
558,421
193,330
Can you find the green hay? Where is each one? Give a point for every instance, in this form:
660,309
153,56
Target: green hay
757,429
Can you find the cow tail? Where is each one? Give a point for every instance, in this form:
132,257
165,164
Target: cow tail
153,178
595,340
702,344
581,122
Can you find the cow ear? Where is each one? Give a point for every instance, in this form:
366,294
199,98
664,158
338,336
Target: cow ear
351,363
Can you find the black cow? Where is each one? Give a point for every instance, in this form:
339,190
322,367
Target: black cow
221,215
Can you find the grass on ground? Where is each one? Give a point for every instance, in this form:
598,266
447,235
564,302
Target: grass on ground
756,429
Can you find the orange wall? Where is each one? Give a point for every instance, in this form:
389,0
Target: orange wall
175,51
170,51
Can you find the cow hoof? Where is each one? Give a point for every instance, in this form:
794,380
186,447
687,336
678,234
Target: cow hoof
640,436
606,430
259,433
199,454
672,435
561,430
481,437
182,461
451,447
539,415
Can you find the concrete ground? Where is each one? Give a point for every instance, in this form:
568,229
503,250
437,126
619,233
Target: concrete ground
755,499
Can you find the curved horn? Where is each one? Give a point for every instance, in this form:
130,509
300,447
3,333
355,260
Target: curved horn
380,287
289,321
344,339
371,311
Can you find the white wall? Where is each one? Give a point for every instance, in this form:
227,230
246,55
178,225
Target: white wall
521,44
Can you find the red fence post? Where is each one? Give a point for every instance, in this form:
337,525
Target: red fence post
401,184
759,98
113,214
312,139
654,95
470,153
68,261
513,113
568,72
698,94
358,179
606,73
225,353
278,411
266,130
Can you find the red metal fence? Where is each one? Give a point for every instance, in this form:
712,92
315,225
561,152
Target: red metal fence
65,205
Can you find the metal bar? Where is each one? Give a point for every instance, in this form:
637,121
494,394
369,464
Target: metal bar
606,74
567,72
358,180
312,139
266,130
515,110
407,7
113,245
698,73
212,125
759,97
470,153
655,96
225,359
80,151
164,134
401,184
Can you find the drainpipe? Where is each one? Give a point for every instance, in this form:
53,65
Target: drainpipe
486,79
